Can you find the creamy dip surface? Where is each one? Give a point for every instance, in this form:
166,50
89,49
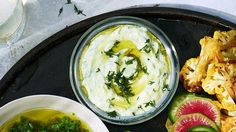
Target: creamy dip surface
124,70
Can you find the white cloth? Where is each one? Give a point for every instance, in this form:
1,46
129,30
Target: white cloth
42,19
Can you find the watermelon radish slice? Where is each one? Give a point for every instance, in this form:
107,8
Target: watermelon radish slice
199,105
186,122
177,100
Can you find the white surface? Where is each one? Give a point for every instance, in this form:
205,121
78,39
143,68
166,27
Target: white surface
6,9
51,102
42,19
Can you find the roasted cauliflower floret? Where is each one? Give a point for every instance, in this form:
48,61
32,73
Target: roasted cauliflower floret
187,75
228,124
214,70
220,80
228,44
210,52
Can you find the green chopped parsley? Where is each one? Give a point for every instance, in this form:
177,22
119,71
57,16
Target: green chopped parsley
109,53
148,47
150,103
98,70
166,87
121,81
129,62
64,124
112,114
151,82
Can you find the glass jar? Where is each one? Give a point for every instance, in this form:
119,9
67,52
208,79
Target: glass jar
12,20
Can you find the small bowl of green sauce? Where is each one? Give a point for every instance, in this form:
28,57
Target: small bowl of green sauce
48,113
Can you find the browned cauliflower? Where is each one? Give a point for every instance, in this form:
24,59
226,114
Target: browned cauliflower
187,75
214,70
221,81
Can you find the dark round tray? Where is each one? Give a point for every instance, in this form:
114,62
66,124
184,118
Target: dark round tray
45,69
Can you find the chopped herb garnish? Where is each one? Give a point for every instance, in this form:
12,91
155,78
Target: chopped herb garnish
129,62
157,53
78,11
151,82
98,70
110,75
110,101
109,53
148,47
150,103
117,63
140,107
116,43
154,90
144,69
109,85
60,11
165,87
133,113
118,54
112,113
121,81
165,74
147,41
68,2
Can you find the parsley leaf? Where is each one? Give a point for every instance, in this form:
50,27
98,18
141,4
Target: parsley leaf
109,53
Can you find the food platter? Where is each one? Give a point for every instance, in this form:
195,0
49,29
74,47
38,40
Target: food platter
45,69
